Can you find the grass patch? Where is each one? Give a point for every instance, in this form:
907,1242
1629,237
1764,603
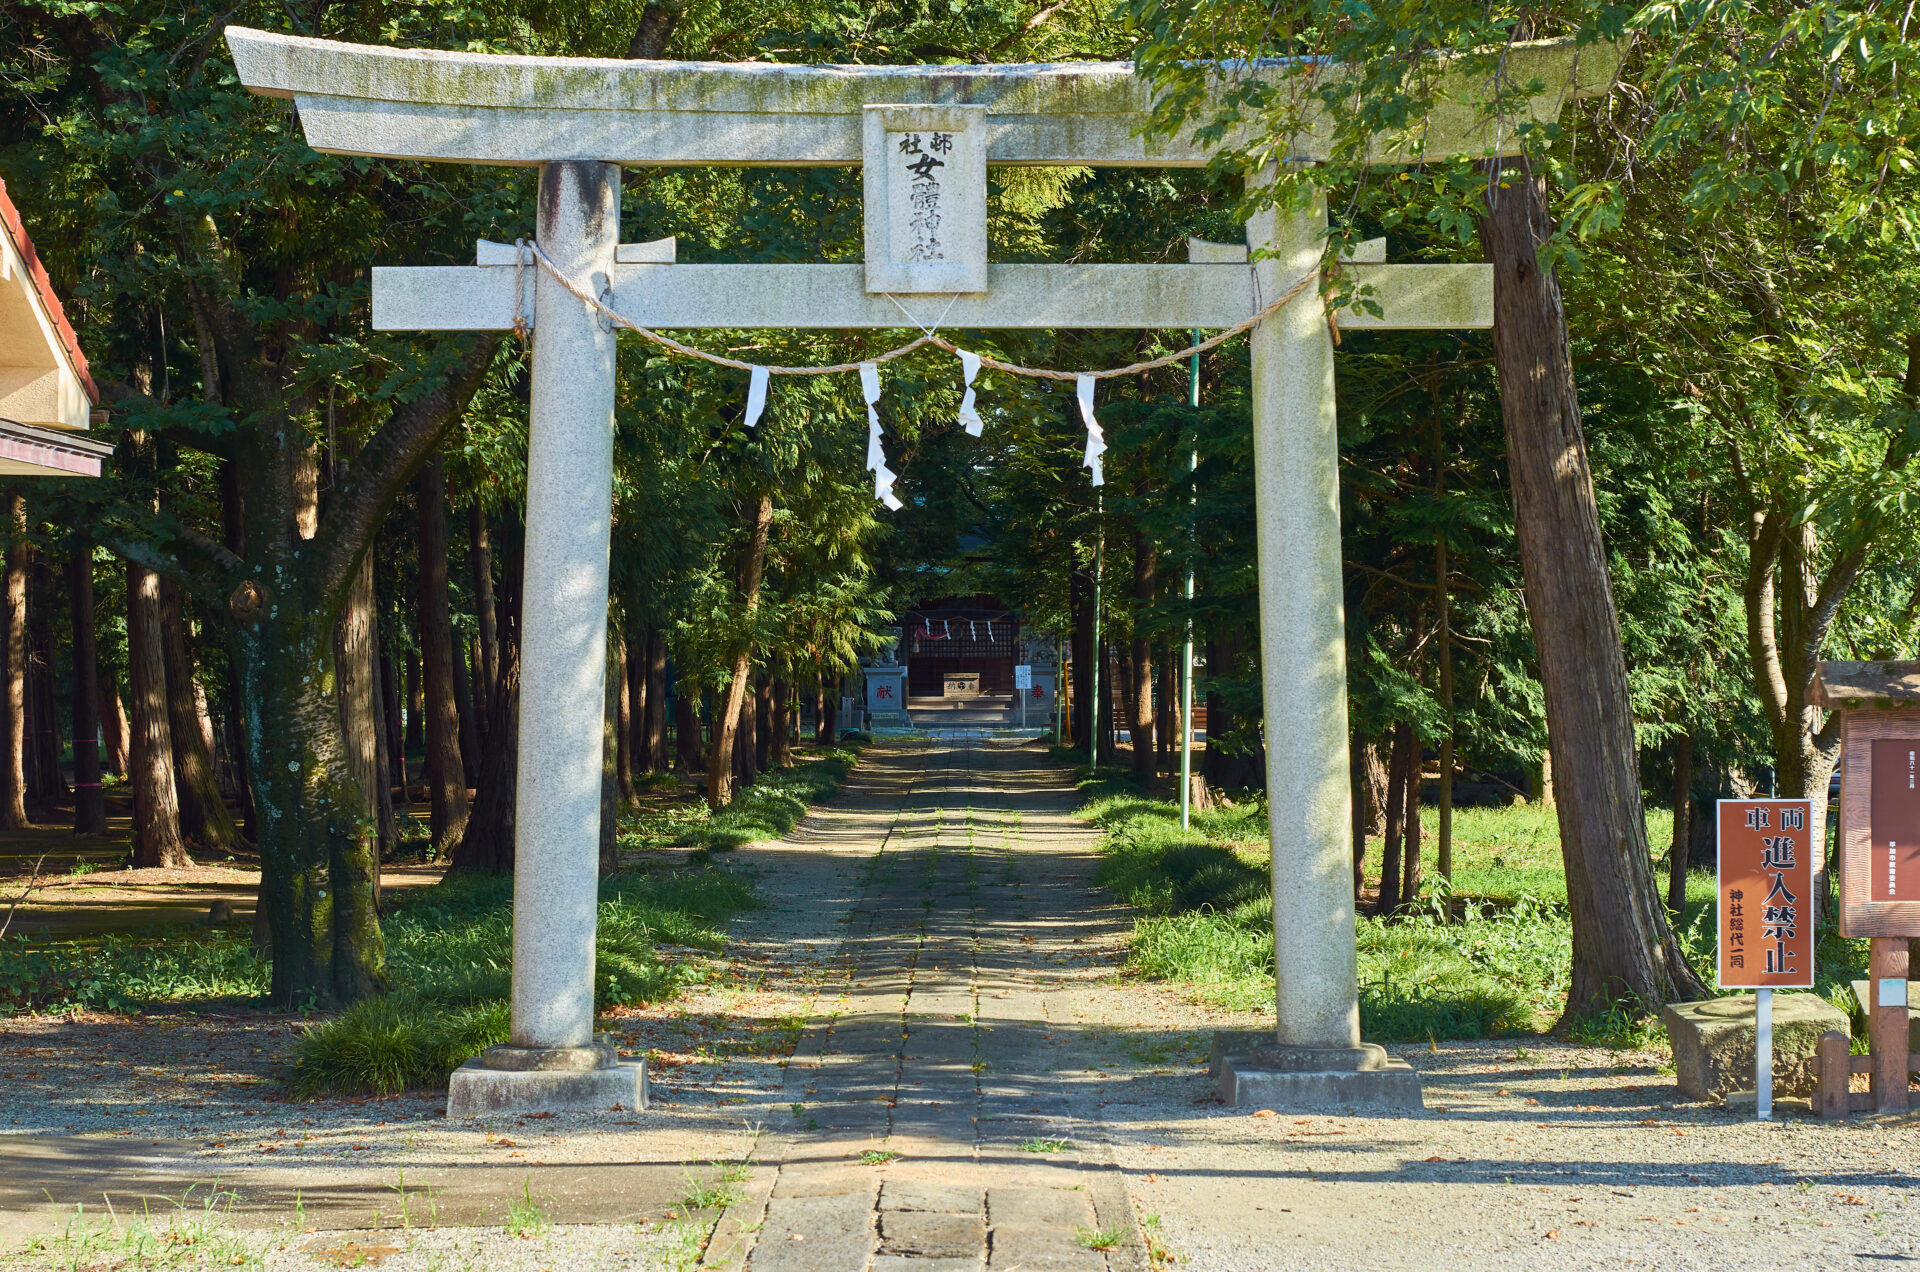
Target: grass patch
769,808
125,970
1098,1238
525,1218
448,944
451,946
196,1233
1206,919
878,1157
719,1192
1044,1146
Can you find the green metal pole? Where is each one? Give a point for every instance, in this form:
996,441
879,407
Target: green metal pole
1186,655
1093,678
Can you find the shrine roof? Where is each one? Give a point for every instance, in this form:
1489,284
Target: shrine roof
34,281
1865,684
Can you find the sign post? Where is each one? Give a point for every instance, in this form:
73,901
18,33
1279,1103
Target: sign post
1022,685
1878,846
1766,909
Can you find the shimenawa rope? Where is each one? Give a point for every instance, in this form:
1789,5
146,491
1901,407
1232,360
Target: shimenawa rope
523,246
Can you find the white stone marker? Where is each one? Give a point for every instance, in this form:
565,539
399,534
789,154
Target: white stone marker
454,106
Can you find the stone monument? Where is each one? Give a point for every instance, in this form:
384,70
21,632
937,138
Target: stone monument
925,136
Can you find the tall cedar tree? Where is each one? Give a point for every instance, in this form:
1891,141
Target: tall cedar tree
1622,945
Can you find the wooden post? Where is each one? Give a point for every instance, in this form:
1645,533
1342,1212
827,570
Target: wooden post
1887,1022
1835,1074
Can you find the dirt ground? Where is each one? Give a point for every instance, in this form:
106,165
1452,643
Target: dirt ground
969,876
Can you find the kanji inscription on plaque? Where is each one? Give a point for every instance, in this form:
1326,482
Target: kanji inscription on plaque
926,198
1893,872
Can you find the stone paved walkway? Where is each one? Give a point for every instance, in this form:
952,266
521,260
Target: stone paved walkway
933,1132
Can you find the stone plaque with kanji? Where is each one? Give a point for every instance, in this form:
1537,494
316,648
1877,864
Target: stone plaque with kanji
926,198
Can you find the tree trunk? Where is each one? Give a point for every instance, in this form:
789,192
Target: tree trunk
1397,769
655,707
204,819
1682,822
620,667
750,741
356,856
377,685
45,742
396,736
1166,731
89,801
762,723
1374,786
13,765
115,729
466,712
640,752
610,747
1140,660
317,880
233,528
1622,946
1362,758
487,845
480,561
1080,607
689,754
828,731
720,755
156,808
446,778
780,713
416,731
1410,830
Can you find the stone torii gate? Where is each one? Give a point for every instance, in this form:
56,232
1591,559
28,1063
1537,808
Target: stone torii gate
579,121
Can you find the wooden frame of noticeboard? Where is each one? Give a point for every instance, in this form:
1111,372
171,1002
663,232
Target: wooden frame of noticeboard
1860,915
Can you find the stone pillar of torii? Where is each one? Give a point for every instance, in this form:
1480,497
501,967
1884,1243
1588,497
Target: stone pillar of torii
580,121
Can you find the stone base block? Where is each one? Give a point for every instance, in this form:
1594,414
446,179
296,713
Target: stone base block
476,1089
1273,1077
1234,1042
1714,1043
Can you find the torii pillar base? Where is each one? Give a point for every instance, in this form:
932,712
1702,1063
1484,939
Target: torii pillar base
589,1079
1319,1078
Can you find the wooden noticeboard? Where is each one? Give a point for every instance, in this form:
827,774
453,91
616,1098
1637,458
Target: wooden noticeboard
1766,901
1879,838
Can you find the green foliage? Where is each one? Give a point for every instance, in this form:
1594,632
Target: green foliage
452,949
526,1218
1497,968
395,1043
122,971
718,1191
771,806
195,1232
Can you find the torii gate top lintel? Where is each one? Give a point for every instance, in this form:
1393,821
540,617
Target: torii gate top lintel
519,110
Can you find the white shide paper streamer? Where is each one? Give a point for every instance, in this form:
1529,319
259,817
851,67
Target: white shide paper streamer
969,417
876,457
1096,440
756,395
